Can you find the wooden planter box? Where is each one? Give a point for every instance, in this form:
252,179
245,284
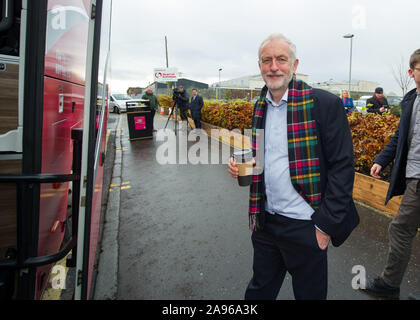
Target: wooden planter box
366,189
234,139
373,192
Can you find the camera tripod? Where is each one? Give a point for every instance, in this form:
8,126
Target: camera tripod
175,108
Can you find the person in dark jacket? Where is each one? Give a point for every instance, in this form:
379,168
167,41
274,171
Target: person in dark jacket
195,107
181,100
301,192
153,103
404,150
378,103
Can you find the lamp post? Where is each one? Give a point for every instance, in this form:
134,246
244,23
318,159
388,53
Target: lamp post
350,36
217,90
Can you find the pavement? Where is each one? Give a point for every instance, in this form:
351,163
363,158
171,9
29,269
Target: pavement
180,231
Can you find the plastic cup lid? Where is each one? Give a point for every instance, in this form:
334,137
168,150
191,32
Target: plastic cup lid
243,155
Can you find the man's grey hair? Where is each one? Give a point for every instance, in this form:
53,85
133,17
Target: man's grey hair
278,36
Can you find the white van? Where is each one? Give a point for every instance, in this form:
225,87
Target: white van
360,104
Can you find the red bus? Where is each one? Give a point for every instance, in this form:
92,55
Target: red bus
54,62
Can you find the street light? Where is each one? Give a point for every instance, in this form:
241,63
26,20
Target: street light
217,90
350,36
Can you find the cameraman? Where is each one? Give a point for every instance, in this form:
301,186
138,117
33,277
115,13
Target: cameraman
181,99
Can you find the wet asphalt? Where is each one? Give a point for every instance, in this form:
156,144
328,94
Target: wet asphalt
182,231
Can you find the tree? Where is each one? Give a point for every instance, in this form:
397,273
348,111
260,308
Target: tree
400,73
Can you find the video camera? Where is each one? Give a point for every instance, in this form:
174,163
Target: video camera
176,93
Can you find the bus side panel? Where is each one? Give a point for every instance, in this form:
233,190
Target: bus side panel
9,86
97,195
8,207
63,111
96,216
66,45
9,80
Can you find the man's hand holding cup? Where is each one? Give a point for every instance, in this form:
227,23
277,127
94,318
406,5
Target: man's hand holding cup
240,166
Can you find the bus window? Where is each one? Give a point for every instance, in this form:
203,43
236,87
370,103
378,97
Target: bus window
10,27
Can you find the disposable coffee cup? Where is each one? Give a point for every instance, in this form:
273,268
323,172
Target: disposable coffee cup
243,159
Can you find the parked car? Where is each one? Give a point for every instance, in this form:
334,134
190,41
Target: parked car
394,100
118,102
360,104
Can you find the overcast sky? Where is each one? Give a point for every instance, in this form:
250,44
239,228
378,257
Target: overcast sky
204,36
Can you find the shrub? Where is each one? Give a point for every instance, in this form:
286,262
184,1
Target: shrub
166,101
231,115
395,110
371,132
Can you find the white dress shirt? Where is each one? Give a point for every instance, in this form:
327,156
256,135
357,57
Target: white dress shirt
282,197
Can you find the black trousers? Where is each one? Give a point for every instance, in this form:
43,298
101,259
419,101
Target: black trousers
287,244
183,112
197,120
153,111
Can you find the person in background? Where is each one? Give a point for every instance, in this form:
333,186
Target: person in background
404,150
195,106
377,103
181,100
347,101
302,198
153,103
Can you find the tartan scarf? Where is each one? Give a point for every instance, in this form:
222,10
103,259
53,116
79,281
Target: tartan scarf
302,147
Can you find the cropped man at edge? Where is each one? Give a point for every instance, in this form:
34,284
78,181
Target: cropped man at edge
302,199
404,150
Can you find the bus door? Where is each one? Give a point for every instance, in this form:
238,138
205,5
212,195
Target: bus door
46,66
94,144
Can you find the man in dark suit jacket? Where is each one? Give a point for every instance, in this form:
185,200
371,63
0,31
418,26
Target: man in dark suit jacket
404,150
292,226
195,106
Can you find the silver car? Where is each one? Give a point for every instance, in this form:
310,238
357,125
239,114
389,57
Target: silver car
118,102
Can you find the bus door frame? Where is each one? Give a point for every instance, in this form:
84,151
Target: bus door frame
88,170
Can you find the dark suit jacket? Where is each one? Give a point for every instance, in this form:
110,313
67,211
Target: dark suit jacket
195,106
397,148
337,215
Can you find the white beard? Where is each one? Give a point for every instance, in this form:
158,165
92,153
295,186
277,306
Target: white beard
280,84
